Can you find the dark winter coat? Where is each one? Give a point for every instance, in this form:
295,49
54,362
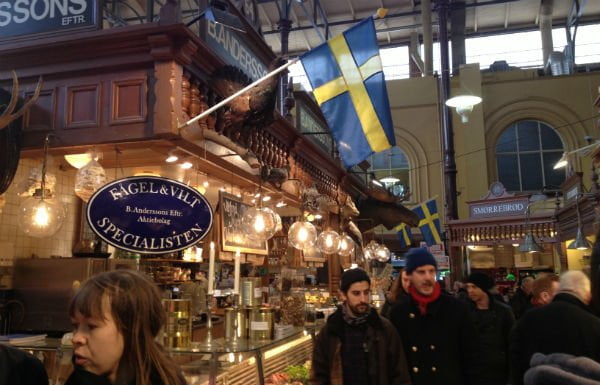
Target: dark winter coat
493,328
562,369
442,346
563,326
20,368
520,303
386,361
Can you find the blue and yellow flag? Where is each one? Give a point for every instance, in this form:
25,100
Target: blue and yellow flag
404,235
429,222
348,84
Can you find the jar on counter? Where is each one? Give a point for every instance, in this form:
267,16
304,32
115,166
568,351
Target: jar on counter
177,332
261,323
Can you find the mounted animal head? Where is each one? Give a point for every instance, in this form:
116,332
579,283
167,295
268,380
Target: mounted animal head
11,133
9,114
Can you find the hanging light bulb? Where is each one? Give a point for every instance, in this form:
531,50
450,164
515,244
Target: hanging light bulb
382,254
328,242
346,245
260,224
302,235
89,179
39,215
370,250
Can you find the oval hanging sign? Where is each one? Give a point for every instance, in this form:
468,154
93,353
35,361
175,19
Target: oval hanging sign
149,215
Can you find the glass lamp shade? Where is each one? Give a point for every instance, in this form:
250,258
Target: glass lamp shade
302,235
89,179
41,218
28,186
260,223
346,245
371,250
382,254
328,242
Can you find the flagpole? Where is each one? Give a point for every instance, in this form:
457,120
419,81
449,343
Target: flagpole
235,95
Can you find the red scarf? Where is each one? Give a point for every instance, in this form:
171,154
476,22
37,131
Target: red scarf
422,300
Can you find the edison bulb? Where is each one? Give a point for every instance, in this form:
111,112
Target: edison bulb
346,245
41,217
260,224
382,254
370,250
328,242
302,235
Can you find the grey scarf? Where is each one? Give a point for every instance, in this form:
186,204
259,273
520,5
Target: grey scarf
351,319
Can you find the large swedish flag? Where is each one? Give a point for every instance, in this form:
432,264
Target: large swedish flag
348,84
429,222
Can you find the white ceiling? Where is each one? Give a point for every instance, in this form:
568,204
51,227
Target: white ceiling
482,16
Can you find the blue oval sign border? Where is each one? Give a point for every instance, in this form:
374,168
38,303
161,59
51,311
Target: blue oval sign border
156,215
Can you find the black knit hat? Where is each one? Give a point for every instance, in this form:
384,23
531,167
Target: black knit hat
481,280
351,276
417,257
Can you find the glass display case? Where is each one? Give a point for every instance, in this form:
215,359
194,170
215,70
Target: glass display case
247,362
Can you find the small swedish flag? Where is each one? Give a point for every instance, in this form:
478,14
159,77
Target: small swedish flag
404,235
429,222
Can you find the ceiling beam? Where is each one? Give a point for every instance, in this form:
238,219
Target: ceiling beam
297,22
349,2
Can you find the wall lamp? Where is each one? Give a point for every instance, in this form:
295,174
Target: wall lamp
463,102
583,151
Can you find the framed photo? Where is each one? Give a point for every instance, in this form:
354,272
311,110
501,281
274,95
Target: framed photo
231,210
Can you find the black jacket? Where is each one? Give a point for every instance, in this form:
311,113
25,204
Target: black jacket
520,303
20,368
493,327
442,346
386,361
563,326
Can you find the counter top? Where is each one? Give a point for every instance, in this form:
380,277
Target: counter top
220,345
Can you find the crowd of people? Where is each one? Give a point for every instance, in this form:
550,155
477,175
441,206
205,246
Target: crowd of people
546,334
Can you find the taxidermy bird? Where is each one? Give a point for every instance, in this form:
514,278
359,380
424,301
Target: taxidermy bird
251,110
381,207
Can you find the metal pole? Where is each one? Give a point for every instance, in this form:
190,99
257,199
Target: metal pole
442,7
285,25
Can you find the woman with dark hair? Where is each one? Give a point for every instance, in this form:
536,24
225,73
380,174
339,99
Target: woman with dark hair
398,291
595,276
116,317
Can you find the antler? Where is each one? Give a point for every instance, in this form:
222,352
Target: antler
8,116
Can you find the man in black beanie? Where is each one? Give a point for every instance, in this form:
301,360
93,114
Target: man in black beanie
493,322
357,346
436,329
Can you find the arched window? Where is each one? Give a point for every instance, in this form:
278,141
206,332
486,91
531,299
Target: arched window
525,156
389,164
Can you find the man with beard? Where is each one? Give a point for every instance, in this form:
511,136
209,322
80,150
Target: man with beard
357,346
437,331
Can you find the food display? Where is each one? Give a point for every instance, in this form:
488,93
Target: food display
293,375
292,309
